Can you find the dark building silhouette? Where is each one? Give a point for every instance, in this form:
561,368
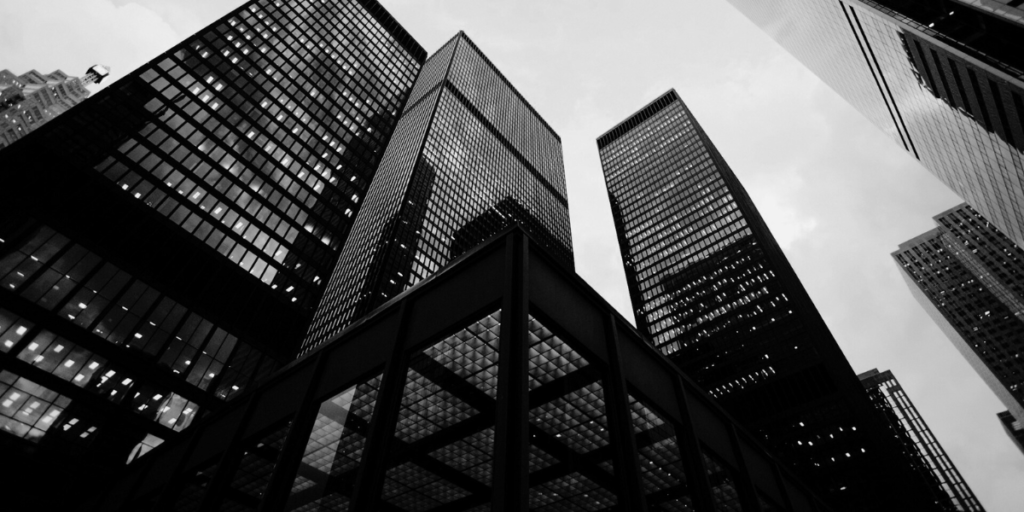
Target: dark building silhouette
945,79
502,383
713,291
969,277
164,242
906,422
467,144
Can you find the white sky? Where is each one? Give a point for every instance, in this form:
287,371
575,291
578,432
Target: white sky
838,194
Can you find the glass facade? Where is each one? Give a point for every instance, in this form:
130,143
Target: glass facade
892,401
469,158
941,77
472,395
713,291
167,240
970,278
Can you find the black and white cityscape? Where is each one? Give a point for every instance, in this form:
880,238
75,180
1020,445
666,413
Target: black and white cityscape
362,255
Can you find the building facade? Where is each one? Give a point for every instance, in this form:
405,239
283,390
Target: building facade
469,157
30,100
969,277
906,422
503,383
1014,428
165,241
943,78
711,288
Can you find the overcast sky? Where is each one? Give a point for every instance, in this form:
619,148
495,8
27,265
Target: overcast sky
838,194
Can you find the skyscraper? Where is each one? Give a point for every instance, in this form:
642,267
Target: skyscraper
969,277
892,401
31,100
504,383
711,288
164,242
469,157
944,78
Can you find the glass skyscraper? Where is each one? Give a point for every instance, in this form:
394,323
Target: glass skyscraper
503,383
164,242
469,157
712,289
893,402
969,277
944,78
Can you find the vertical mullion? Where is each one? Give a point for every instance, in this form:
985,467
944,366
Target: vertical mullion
279,486
511,429
229,461
747,491
627,465
370,478
697,477
165,502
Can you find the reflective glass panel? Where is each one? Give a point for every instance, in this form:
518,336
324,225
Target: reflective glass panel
331,459
570,463
661,466
444,441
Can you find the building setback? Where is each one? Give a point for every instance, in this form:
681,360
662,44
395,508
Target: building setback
469,157
711,288
945,79
164,242
892,401
1014,428
969,277
502,383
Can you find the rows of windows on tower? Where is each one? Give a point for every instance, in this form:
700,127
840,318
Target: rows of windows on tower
501,399
712,289
300,167
969,277
470,157
167,253
942,78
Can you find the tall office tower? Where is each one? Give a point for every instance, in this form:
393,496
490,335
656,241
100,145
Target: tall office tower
1014,428
714,292
969,277
32,99
469,157
504,384
944,78
163,244
892,401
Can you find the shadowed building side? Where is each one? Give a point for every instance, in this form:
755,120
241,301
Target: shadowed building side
712,289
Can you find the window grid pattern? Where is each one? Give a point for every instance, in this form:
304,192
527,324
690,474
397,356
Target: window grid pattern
450,468
252,475
268,129
334,449
450,385
892,400
938,77
568,432
714,292
971,274
661,466
55,273
28,410
699,273
463,165
723,484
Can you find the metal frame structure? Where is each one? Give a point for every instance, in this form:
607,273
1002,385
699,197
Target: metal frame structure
648,409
